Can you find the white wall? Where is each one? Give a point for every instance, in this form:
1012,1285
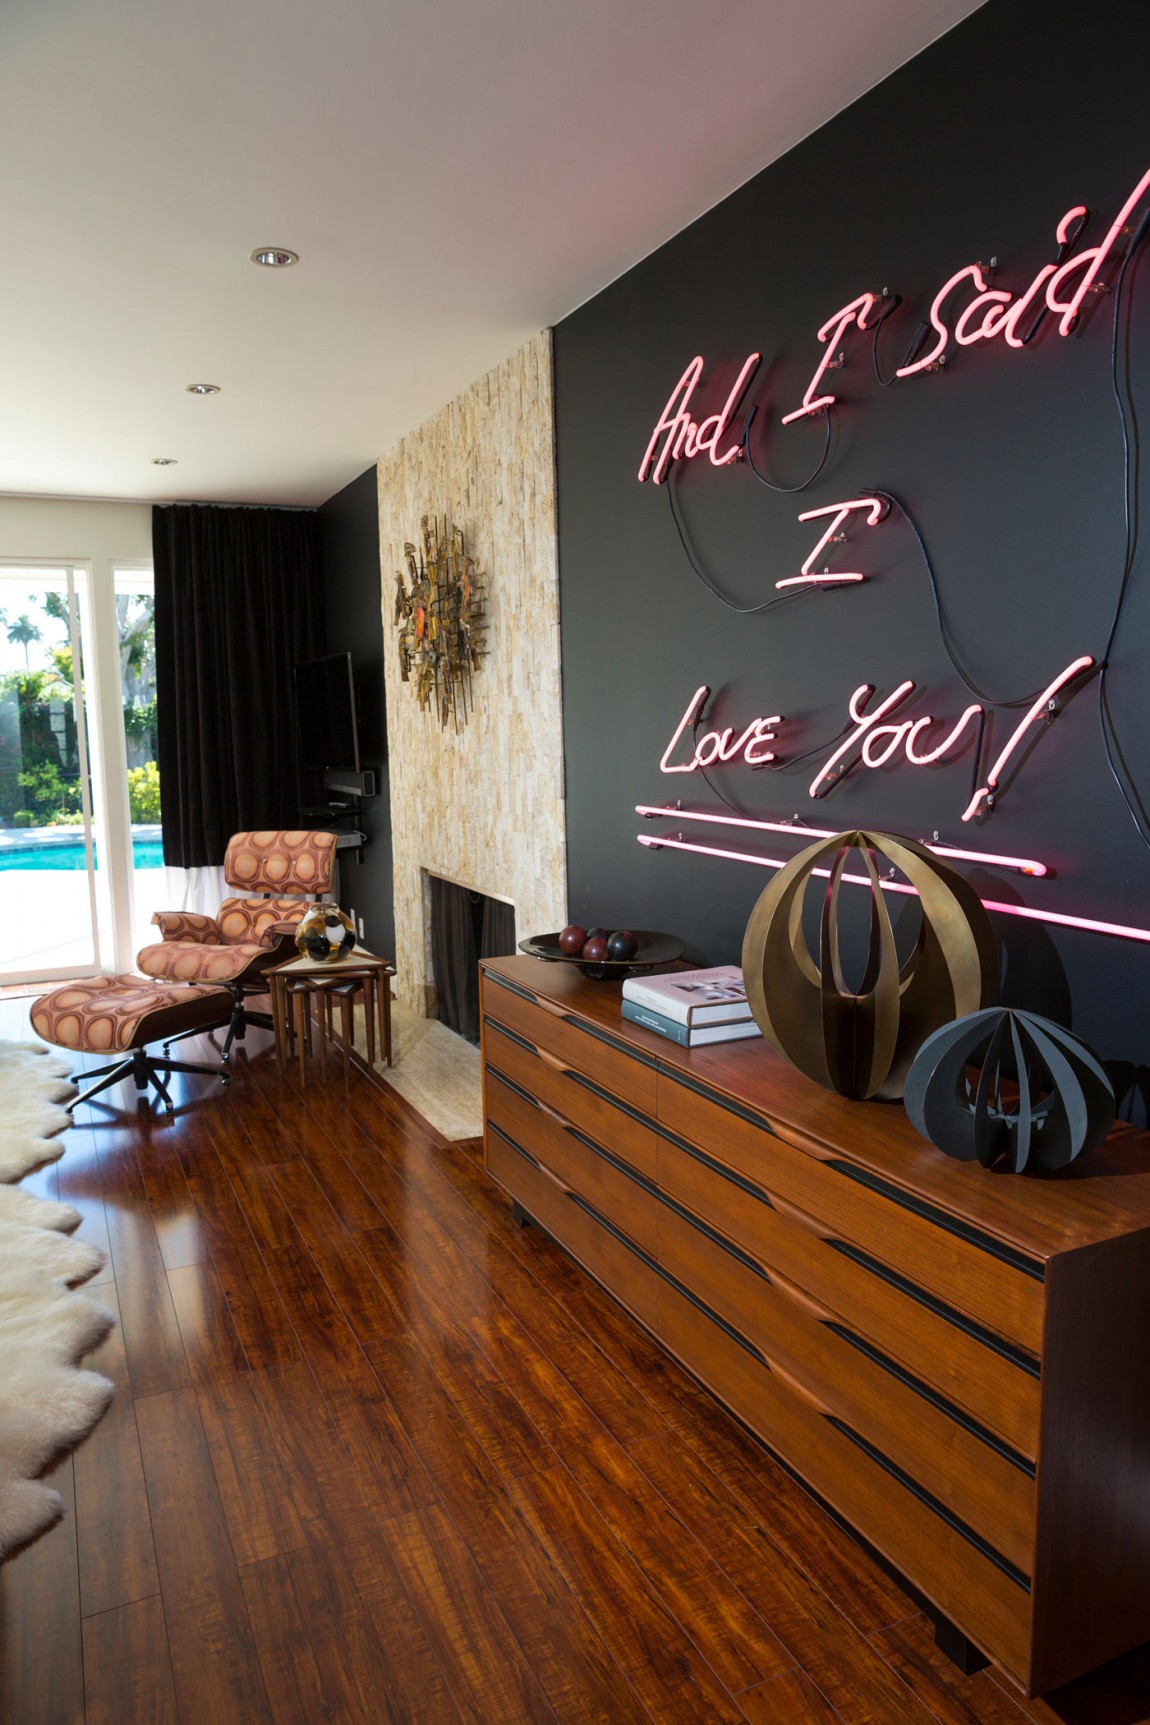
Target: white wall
104,534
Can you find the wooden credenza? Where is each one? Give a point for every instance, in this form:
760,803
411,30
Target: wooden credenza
957,1361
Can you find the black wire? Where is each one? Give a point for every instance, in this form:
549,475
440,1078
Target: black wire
891,305
745,446
739,610
943,626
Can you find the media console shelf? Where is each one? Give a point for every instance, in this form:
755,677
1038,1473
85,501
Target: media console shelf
957,1361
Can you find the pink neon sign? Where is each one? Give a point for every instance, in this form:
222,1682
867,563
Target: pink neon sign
683,437
1060,287
720,745
1042,708
877,512
832,332
875,740
1058,918
1024,865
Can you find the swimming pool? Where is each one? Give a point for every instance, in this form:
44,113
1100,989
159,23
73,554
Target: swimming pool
55,854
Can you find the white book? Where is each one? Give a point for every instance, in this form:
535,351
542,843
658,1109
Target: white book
692,997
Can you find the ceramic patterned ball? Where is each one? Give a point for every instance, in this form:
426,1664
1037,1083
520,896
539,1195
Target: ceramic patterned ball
325,934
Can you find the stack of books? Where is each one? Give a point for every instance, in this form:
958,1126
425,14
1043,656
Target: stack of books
693,1006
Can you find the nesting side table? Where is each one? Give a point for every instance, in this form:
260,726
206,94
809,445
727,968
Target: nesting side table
301,981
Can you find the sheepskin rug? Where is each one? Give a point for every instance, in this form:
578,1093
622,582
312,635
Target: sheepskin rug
47,1402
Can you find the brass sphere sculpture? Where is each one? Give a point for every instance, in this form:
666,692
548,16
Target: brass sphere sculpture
861,1044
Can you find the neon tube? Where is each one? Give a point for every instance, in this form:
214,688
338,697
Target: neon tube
831,333
839,511
1121,930
995,773
1093,257
1024,865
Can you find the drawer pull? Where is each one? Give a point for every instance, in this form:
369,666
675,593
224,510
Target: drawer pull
553,1061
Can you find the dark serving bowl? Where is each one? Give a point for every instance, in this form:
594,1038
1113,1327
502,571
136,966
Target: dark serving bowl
653,949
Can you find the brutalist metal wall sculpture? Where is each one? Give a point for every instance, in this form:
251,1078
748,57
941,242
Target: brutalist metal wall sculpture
1009,1086
862,1043
440,620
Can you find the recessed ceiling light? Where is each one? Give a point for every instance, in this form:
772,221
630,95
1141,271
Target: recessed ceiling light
202,388
274,257
164,461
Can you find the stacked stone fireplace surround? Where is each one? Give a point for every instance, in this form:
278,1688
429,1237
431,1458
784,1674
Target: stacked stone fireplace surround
481,806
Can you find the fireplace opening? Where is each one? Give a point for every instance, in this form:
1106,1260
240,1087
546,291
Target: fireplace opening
465,927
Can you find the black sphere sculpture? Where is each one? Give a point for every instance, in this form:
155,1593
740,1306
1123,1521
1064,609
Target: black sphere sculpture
1040,1099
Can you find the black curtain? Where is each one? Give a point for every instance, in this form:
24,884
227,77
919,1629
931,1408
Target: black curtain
237,605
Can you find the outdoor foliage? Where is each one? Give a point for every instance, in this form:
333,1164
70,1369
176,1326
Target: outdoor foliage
144,793
39,756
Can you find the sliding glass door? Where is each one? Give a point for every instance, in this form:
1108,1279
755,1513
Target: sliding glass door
80,859
54,907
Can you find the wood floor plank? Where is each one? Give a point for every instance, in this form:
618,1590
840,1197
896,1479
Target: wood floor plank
791,1699
78,1181
214,1664
368,1644
41,1657
296,1688
360,1296
576,1671
505,1430
727,1630
117,1561
175,1218
155,1352
387,1466
249,1475
329,1345
127,1666
798,1526
848,1671
258,1312
667,1673
484,1667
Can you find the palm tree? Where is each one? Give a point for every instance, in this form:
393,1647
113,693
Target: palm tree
23,632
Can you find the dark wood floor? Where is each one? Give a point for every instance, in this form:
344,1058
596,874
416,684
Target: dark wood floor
379,1455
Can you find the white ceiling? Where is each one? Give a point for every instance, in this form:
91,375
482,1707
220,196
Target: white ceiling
455,175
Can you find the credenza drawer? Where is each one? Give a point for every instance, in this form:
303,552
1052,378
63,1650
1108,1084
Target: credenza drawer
621,1267
578,1098
937,1443
959,1264
997,1384
576,1160
964,1576
575,1044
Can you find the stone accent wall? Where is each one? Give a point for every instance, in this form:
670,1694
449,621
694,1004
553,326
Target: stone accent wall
483,807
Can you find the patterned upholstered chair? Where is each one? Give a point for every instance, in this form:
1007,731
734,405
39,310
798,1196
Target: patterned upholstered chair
279,874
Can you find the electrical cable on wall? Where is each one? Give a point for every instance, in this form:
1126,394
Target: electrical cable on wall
739,610
745,446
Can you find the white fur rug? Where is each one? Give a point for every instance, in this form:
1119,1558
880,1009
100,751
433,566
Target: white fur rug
47,1404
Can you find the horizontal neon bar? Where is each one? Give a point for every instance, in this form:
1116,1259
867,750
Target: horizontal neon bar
1052,916
1025,865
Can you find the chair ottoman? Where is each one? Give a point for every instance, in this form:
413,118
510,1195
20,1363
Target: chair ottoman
121,1015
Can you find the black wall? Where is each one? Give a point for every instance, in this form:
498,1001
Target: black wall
349,557
1010,462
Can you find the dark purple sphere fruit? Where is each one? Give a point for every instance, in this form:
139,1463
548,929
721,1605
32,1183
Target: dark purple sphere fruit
596,934
622,945
595,951
573,939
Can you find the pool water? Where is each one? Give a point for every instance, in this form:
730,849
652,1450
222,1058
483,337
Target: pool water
146,853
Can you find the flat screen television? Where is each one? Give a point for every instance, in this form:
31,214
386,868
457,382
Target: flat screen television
326,729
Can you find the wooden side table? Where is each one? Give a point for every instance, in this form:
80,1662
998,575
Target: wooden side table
297,983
